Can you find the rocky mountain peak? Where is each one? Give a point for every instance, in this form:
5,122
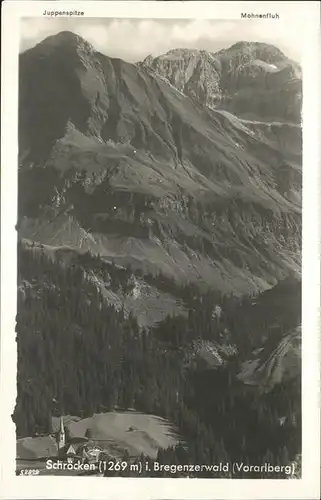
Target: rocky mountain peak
258,50
181,52
63,37
65,41
241,79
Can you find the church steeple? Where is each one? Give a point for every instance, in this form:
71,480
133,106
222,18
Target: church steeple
61,435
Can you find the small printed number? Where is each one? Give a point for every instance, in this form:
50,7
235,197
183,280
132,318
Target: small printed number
29,472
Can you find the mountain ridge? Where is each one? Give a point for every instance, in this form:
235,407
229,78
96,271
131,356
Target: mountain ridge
148,174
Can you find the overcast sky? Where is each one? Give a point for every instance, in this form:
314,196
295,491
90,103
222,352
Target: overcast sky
133,39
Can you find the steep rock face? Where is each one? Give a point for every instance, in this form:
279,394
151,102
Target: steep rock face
124,164
253,80
196,73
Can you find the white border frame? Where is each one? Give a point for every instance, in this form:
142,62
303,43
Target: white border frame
44,487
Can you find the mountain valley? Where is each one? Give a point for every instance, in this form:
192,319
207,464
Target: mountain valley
159,243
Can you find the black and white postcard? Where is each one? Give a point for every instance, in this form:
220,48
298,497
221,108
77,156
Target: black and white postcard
159,273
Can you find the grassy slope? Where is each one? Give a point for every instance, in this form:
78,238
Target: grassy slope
139,174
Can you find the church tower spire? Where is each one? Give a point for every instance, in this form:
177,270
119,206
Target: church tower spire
61,435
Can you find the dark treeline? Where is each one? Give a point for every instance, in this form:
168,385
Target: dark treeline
78,355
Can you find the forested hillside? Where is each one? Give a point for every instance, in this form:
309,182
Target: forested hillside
78,355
